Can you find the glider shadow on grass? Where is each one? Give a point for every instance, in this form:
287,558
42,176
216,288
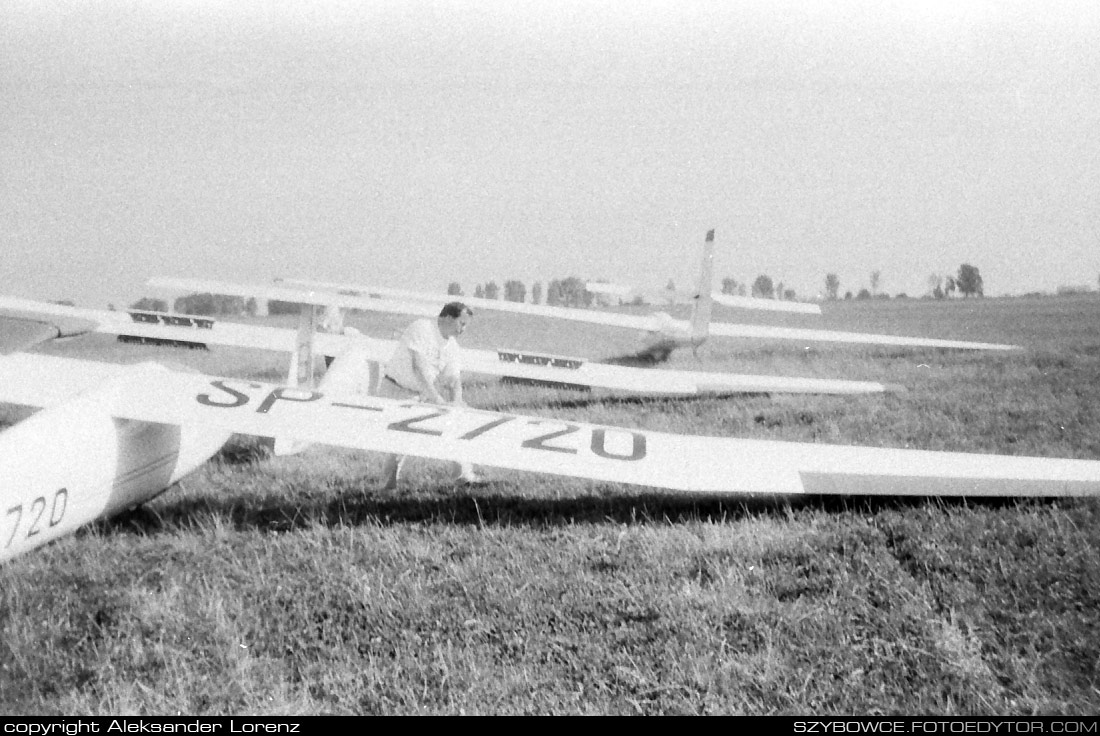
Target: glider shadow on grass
488,507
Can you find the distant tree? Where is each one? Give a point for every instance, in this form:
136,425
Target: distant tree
274,307
514,291
149,304
202,304
536,292
479,293
876,279
670,286
763,287
729,286
231,305
778,291
935,284
864,293
601,299
573,293
949,286
789,295
454,289
553,293
64,302
492,290
902,295
211,304
251,306
969,281
847,295
832,285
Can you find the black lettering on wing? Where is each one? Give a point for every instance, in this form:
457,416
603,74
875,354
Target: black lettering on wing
356,406
405,425
56,515
286,394
539,443
39,504
599,437
17,511
477,432
239,398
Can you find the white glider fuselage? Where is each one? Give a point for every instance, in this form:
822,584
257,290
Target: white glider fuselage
74,462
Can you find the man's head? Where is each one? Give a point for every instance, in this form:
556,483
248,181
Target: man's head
453,319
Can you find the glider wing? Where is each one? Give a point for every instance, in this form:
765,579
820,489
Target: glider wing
601,453
647,323
809,335
553,370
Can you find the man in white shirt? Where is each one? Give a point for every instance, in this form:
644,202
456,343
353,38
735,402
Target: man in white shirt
426,366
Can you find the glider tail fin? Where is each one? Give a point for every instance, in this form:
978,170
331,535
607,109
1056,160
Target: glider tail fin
700,316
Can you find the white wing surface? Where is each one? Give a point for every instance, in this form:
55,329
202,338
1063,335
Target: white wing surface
792,333
181,330
648,323
296,296
602,453
44,381
611,454
579,372
20,329
408,306
20,334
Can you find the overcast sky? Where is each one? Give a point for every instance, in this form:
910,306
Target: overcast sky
411,144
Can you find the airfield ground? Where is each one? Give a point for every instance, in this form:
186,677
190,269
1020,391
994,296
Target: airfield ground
291,586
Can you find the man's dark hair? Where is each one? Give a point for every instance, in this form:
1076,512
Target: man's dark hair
455,310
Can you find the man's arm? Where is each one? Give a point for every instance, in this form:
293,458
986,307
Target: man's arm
453,383
451,376
428,391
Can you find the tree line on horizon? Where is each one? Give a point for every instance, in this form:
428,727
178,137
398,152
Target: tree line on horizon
967,281
204,305
572,292
567,292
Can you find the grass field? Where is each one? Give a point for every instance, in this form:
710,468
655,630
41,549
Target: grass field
292,586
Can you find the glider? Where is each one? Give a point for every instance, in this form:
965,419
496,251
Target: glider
111,437
664,333
549,370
